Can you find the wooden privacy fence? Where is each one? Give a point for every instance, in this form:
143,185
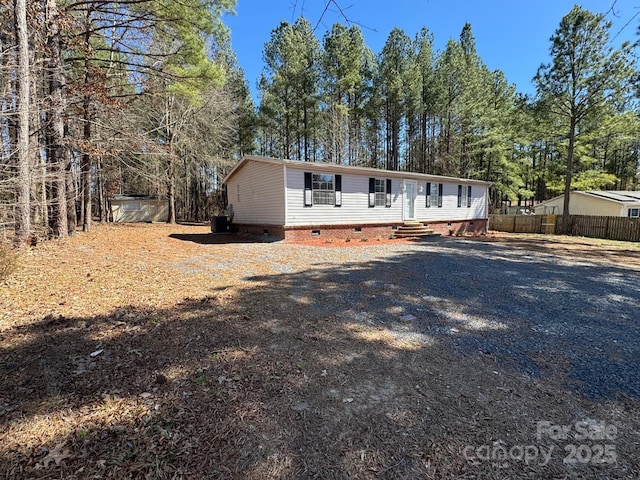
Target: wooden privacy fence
523,223
612,228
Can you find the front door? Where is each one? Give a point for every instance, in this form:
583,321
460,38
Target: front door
410,188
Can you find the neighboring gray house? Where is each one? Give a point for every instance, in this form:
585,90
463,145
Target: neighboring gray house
609,203
139,208
296,200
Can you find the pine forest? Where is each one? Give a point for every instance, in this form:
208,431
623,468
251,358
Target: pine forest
147,97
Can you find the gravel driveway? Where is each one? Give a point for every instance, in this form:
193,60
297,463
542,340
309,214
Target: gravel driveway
194,355
537,313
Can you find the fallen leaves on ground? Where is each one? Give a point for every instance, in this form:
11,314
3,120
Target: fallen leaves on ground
159,351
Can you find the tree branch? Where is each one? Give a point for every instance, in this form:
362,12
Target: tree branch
347,20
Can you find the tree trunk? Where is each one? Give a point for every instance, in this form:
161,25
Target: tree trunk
566,227
23,180
85,166
39,219
71,189
102,211
56,149
171,159
171,192
86,174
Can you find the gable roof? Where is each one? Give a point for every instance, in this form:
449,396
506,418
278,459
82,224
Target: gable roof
616,196
338,168
133,196
621,197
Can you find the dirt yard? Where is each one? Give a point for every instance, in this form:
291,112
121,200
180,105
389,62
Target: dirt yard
160,352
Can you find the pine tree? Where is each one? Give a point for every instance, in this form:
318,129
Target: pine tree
346,82
585,74
394,67
290,85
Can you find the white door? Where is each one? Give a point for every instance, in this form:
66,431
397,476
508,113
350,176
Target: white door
410,189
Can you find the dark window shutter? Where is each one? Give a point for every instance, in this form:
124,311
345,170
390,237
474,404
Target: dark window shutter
629,212
469,196
338,192
428,194
372,192
459,195
439,195
388,194
308,196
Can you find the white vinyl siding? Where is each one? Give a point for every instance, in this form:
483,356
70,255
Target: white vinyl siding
259,191
279,192
449,209
355,203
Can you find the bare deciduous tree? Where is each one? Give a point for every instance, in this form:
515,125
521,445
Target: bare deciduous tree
23,180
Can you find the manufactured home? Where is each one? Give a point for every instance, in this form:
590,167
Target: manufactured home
299,200
608,203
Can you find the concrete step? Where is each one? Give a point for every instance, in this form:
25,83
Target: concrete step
414,229
410,235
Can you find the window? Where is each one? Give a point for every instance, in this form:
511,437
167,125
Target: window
322,189
634,212
131,206
379,192
380,198
434,195
464,196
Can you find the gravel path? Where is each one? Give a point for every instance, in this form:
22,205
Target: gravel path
537,313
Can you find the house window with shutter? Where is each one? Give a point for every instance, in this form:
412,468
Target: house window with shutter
434,195
464,195
634,212
379,192
322,189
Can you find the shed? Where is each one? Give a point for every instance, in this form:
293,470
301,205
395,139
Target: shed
295,200
139,208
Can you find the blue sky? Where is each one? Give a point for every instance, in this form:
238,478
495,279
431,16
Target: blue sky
511,35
